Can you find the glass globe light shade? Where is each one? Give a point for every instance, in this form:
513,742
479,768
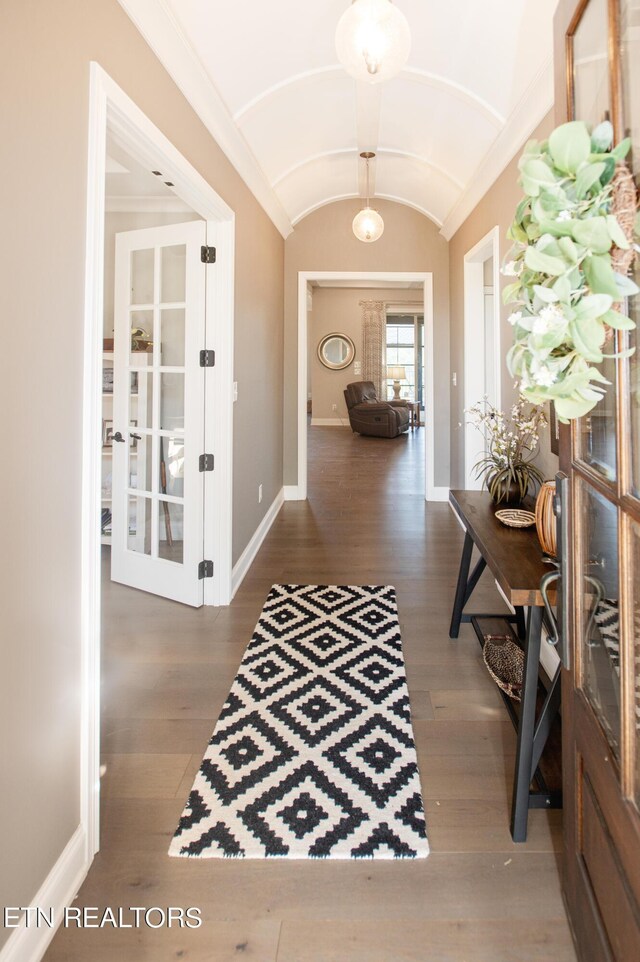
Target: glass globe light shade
373,40
368,225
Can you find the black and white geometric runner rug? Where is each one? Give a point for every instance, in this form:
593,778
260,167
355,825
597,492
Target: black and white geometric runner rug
313,754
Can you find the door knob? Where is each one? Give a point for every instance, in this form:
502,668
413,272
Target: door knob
118,437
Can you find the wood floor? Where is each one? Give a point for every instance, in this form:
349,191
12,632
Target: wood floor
167,670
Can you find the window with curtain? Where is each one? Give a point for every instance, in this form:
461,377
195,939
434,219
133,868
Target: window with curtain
405,348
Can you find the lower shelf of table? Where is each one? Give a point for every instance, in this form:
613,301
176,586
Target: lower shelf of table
546,789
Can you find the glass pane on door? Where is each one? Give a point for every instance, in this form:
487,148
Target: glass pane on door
597,437
600,608
140,463
171,402
173,273
139,533
171,466
142,325
142,276
591,96
170,527
172,323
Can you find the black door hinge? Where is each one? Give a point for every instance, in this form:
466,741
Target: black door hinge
207,358
208,255
206,462
205,570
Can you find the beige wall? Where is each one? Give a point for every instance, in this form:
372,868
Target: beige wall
338,309
324,241
45,51
495,209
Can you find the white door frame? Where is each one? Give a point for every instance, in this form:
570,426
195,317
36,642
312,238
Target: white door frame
111,109
474,308
299,492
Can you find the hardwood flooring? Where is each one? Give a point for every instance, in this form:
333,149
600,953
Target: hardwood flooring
167,671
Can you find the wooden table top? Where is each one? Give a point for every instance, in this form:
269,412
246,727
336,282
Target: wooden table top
513,555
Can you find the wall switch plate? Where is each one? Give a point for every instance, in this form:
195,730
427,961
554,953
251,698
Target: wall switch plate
357,367
259,494
334,407
235,390
454,379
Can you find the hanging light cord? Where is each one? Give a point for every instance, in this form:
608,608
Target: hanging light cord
366,156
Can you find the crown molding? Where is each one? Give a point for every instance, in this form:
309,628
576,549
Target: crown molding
164,36
532,108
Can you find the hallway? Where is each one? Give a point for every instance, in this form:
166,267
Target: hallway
167,671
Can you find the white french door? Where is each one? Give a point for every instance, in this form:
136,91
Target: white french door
158,411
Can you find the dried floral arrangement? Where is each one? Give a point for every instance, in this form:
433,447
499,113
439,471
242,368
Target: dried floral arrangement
507,469
573,237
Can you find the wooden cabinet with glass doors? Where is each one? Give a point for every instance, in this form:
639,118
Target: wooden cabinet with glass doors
597,63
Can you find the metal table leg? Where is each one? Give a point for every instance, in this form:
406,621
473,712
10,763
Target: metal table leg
466,585
461,589
524,754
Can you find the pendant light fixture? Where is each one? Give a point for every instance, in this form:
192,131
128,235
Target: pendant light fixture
368,225
373,40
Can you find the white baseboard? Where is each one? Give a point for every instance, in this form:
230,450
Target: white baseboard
57,892
245,560
292,493
329,423
438,494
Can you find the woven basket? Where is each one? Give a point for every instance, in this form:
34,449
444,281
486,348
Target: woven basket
546,519
505,663
516,517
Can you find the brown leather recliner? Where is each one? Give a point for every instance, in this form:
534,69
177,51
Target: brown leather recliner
368,415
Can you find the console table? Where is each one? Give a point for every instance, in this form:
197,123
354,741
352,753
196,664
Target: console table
514,557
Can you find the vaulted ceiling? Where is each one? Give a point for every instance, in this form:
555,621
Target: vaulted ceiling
265,79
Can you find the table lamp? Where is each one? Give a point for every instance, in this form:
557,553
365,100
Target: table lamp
398,374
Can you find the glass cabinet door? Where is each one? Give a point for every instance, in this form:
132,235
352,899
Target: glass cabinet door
599,605
597,41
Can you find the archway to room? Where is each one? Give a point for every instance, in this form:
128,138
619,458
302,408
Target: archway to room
419,285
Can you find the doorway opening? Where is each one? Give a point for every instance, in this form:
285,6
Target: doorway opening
423,295
117,123
482,359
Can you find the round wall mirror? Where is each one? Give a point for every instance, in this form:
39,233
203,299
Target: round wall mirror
336,351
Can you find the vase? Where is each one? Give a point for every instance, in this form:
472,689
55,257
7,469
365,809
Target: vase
546,519
505,493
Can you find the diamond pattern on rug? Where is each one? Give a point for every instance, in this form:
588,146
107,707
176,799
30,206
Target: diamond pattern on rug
313,753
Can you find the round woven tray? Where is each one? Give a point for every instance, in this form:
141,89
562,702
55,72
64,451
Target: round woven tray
505,663
516,517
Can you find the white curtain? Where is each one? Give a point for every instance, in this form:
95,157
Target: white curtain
374,345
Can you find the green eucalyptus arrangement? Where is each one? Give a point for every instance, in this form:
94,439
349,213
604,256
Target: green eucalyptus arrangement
565,287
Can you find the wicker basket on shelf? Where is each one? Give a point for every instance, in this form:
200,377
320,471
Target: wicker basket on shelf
505,663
